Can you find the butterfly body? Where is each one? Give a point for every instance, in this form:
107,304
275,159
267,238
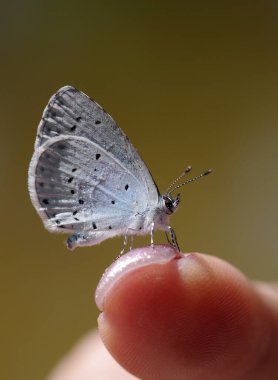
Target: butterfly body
86,178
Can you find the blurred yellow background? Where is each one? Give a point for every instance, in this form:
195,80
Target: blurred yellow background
190,83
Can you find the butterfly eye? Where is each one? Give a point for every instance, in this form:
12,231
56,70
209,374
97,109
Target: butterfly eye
168,203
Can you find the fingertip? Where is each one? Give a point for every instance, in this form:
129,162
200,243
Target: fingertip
134,259
191,314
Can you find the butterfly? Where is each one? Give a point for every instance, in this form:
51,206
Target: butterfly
86,179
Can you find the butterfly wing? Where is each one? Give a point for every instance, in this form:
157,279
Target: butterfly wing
85,174
72,113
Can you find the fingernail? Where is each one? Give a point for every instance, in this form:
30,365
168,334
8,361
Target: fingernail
132,260
191,267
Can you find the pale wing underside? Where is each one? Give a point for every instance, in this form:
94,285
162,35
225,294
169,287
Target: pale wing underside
71,112
76,185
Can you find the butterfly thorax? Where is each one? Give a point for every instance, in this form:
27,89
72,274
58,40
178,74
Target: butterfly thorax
160,214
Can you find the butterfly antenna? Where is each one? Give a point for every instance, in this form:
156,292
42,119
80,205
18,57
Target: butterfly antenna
186,171
189,181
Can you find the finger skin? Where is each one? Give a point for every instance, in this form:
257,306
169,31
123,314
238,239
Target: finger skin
192,318
89,360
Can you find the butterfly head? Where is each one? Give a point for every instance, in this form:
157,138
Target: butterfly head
170,204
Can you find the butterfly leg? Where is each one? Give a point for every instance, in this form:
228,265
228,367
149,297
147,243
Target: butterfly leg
167,237
125,244
174,241
152,233
131,242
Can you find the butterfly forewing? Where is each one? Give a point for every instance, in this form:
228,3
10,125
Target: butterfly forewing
72,113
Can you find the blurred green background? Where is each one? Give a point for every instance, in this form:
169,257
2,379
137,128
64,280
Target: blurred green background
190,83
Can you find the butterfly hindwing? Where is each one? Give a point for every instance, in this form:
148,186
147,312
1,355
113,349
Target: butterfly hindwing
76,185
